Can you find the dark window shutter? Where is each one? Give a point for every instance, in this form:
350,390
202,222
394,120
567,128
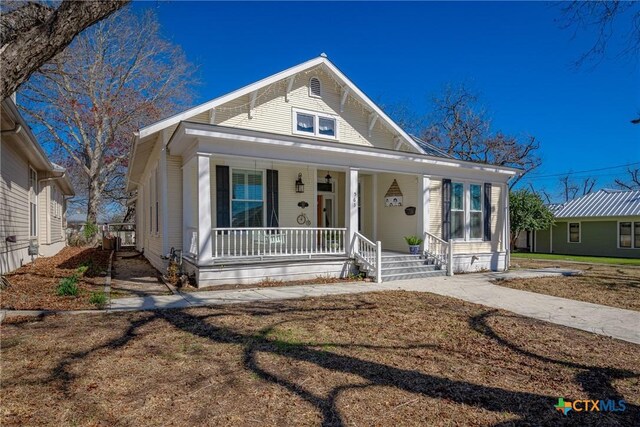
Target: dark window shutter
223,217
487,211
272,198
446,209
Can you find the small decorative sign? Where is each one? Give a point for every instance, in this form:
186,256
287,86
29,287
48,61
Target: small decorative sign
393,197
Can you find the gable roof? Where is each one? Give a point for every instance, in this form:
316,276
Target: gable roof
602,203
321,60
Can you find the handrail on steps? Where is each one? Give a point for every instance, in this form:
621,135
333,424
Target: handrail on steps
370,254
447,246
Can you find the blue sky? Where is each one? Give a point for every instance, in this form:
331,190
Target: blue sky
515,54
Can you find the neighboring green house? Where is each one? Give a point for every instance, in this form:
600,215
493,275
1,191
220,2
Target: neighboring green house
604,223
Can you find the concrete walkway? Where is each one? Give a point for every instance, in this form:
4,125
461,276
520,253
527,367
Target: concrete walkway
475,288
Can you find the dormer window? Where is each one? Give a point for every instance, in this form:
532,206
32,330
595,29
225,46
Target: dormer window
315,88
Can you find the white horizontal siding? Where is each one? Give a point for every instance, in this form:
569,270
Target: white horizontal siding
44,225
174,194
14,197
273,114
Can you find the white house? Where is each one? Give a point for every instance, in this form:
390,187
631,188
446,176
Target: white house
33,193
300,174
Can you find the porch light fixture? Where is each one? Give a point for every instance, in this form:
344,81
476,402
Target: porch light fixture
327,178
299,184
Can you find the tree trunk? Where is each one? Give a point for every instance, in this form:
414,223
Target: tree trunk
24,50
93,200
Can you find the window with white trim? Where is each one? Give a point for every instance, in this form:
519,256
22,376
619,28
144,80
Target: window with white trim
457,210
314,124
574,232
315,88
475,211
467,211
53,201
629,235
247,198
157,195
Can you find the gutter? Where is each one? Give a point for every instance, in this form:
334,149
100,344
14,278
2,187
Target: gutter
15,130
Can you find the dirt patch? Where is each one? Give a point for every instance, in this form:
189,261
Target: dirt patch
612,285
33,286
134,276
271,283
389,358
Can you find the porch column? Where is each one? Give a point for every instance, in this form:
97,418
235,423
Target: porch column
351,205
424,197
164,194
188,207
205,225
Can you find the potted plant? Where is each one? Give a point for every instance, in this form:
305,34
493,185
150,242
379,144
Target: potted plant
331,240
414,243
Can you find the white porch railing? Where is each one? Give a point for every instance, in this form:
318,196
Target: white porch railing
441,251
278,242
368,255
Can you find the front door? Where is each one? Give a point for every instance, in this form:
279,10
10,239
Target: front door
326,210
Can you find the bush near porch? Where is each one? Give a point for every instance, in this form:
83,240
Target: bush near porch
35,285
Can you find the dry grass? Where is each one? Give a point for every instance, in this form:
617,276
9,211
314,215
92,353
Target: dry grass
33,286
270,282
391,358
616,286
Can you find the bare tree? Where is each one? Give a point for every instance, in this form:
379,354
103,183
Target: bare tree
461,127
587,185
31,33
114,78
608,20
571,189
632,182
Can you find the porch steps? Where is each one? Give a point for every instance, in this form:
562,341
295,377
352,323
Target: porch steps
400,267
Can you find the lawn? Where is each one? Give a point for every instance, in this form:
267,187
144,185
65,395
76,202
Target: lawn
388,358
613,285
576,258
34,286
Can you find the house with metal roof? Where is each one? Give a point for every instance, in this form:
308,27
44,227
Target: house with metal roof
604,223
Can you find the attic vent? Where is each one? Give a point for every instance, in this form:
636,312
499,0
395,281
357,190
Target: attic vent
314,87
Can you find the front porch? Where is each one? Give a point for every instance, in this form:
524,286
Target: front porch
247,219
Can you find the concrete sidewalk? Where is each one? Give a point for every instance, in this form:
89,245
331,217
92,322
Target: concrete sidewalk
475,288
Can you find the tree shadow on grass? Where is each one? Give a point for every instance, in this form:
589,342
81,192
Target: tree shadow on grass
95,259
595,381
533,409
530,408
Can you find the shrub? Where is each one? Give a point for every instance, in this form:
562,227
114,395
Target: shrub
98,298
68,286
82,269
413,240
90,230
172,274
